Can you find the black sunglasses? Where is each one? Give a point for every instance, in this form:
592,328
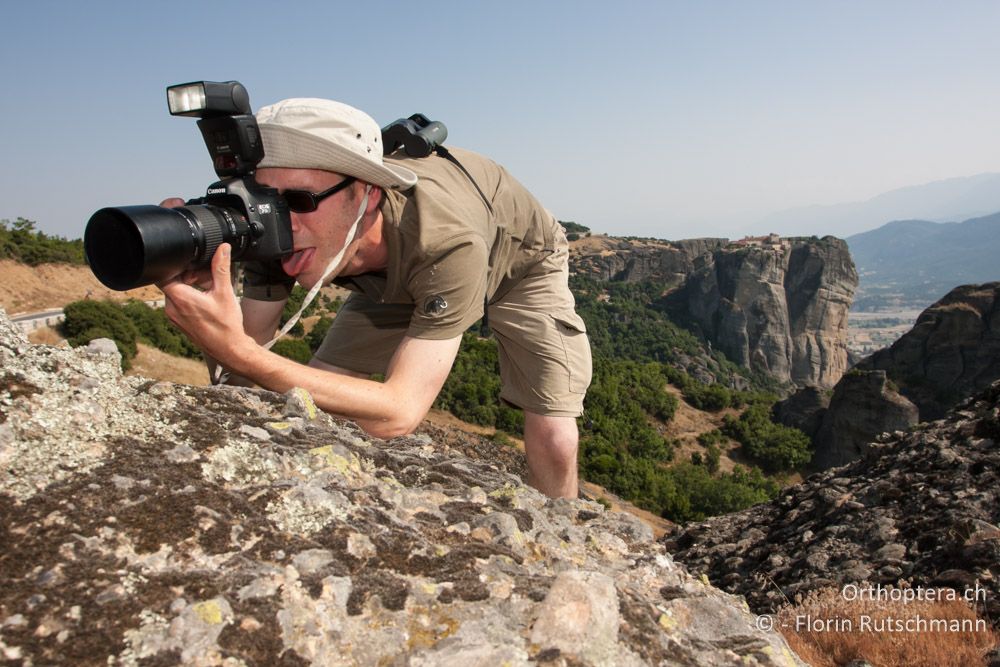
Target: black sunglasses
303,201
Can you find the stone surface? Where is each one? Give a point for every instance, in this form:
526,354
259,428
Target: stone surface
919,508
145,523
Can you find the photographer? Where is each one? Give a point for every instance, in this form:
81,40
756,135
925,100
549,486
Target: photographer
426,245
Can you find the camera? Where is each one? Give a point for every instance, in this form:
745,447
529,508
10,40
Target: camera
132,246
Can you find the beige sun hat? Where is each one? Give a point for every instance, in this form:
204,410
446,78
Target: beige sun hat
309,133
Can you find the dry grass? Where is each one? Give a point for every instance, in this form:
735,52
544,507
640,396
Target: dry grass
830,629
153,363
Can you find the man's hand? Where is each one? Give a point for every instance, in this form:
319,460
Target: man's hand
211,318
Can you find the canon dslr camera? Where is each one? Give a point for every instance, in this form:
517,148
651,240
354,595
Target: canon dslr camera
131,246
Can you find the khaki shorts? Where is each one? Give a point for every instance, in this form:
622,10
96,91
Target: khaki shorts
545,362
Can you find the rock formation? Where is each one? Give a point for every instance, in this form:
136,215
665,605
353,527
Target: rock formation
951,353
920,508
143,522
781,311
864,405
779,308
633,260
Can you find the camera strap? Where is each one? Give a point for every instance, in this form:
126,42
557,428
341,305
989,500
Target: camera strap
328,273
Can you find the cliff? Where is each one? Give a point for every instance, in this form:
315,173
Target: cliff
144,522
636,260
918,509
952,351
779,308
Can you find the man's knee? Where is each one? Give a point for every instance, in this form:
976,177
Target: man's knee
555,438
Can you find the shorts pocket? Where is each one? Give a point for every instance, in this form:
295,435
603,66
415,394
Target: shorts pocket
576,345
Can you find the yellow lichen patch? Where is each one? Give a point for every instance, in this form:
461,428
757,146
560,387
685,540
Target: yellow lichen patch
704,579
279,426
505,491
427,628
307,402
336,461
209,612
667,623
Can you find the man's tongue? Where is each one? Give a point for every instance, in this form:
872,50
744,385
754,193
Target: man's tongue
295,263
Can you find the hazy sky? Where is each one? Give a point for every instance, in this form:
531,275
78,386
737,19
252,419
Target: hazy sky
668,119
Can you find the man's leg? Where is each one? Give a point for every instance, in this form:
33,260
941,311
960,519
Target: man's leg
550,444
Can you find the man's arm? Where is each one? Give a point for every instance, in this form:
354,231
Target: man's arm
417,370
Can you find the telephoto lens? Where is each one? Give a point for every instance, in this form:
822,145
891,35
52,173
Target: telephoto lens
132,246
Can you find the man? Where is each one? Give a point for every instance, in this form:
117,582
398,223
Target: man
426,244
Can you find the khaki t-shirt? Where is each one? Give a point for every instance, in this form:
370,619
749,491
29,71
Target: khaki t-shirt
448,251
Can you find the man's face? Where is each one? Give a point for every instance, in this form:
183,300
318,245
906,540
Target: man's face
317,236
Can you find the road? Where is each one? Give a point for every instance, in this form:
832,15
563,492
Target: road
49,318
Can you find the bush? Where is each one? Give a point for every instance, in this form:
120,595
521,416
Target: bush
295,349
87,320
292,306
776,447
19,240
318,332
157,330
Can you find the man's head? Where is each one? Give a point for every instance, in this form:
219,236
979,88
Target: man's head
312,145
309,133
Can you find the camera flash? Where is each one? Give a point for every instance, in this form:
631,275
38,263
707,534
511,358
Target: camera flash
186,99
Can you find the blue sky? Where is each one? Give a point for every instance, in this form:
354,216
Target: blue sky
668,119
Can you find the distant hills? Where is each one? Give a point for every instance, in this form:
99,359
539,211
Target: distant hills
912,263
939,201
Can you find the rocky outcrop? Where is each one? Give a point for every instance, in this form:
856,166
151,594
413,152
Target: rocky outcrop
951,353
778,310
803,410
920,508
634,260
865,404
143,522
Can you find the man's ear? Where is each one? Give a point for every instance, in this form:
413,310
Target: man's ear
374,199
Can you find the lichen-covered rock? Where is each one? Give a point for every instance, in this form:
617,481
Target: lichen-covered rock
919,508
148,523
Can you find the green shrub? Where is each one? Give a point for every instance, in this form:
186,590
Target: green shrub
295,349
318,332
501,438
776,447
19,240
713,457
87,320
157,330
292,306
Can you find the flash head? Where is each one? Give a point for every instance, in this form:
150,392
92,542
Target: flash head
208,99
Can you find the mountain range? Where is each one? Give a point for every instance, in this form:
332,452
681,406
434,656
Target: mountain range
938,201
912,263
